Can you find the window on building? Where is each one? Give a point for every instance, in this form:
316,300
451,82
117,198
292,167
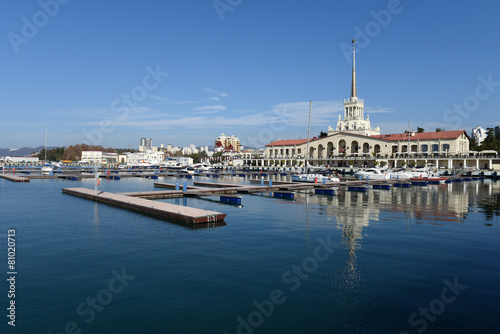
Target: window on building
425,148
435,148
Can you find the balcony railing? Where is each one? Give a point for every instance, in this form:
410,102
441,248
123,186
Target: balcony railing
366,156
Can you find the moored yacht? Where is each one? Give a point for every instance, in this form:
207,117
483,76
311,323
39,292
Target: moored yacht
47,169
372,174
399,174
316,178
205,167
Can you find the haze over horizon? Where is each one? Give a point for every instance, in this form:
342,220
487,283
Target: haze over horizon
184,72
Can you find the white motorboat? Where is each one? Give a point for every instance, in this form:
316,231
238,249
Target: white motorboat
399,174
423,172
172,164
187,170
315,178
47,169
204,167
372,174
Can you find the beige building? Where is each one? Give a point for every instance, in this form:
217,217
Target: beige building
346,149
228,143
343,144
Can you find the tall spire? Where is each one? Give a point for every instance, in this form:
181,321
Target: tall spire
353,84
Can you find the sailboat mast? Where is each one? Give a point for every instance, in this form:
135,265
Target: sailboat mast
409,146
308,133
45,145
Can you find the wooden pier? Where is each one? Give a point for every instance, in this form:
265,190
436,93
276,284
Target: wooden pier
157,209
14,178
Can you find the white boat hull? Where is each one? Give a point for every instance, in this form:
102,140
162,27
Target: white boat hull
364,176
314,178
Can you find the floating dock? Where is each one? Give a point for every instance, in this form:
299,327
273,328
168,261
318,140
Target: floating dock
157,209
14,178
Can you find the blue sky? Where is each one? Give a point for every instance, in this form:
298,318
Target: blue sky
183,72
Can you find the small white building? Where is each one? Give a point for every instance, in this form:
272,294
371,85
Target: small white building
148,157
99,157
28,159
185,161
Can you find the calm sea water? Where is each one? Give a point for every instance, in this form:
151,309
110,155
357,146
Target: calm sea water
419,260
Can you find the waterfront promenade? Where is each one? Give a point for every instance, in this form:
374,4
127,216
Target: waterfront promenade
476,160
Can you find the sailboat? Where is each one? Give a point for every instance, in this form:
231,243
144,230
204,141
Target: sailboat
308,176
47,169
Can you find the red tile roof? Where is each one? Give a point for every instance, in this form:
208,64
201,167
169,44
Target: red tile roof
390,137
422,136
288,142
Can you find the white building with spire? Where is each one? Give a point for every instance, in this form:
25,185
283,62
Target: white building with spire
354,143
354,120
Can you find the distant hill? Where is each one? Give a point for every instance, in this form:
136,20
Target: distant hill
21,152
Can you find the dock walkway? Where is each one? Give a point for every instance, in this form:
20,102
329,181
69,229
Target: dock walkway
158,209
14,178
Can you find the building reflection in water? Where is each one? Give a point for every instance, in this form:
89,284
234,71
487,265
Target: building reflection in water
97,217
435,205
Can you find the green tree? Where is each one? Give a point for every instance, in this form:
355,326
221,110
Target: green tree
473,146
198,157
420,130
55,154
323,134
491,142
440,130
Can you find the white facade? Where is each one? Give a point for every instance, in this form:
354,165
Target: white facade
479,134
185,161
99,157
258,153
21,159
148,157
